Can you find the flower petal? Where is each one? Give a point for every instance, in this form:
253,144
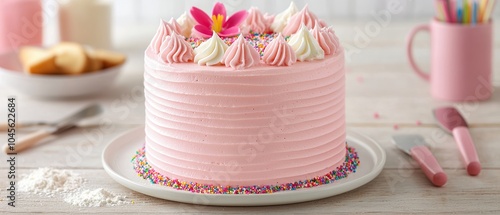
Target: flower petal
236,19
201,17
203,31
219,8
228,32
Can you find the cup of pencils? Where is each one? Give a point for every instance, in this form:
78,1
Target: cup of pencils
461,50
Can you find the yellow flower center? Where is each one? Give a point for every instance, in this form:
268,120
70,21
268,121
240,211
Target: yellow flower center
217,22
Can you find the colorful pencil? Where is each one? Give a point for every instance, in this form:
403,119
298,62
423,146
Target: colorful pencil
482,8
446,8
460,11
464,11
465,14
487,12
440,11
453,5
474,12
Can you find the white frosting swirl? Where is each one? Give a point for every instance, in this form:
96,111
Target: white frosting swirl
282,18
211,51
305,46
187,23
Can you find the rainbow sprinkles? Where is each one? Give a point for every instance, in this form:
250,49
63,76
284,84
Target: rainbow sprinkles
144,170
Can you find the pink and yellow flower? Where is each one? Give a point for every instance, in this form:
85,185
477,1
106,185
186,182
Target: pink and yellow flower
218,23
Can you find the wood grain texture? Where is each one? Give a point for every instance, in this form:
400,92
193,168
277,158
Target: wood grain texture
379,80
393,192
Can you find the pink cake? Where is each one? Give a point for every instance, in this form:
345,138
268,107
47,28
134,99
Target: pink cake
247,100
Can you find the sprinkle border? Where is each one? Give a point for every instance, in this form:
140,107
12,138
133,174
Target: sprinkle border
145,171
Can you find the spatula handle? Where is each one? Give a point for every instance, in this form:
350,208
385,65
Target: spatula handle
429,165
27,141
468,150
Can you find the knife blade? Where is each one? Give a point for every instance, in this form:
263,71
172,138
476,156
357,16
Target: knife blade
450,120
416,147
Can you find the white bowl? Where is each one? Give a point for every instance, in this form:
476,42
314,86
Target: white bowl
53,86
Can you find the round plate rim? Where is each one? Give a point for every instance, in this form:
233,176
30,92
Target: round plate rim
278,198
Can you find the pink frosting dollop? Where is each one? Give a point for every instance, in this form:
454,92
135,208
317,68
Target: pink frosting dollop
305,17
326,39
175,26
175,49
256,21
269,20
165,29
241,55
279,53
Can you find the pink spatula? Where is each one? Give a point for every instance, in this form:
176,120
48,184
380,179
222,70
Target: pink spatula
452,121
415,146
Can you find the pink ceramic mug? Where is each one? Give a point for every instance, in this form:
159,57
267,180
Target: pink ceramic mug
461,60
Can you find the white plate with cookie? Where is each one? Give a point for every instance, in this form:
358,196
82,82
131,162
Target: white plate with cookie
65,70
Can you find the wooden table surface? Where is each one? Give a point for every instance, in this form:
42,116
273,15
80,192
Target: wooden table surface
379,80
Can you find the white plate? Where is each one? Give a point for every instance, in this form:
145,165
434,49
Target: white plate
53,86
117,155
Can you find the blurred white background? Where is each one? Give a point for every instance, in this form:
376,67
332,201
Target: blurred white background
135,21
147,11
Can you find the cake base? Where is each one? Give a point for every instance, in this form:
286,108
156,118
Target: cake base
116,162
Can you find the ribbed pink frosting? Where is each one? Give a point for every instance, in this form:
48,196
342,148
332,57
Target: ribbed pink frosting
303,17
256,21
326,39
279,53
266,125
164,30
240,55
175,49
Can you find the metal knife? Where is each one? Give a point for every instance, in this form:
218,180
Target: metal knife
62,126
416,146
4,126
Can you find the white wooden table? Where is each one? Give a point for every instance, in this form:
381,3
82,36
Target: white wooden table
379,80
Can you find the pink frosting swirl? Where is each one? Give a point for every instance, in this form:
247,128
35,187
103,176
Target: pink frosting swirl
241,55
303,17
279,53
175,49
174,25
256,21
269,20
165,29
326,39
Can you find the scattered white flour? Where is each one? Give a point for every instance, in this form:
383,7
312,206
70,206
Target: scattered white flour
48,181
95,198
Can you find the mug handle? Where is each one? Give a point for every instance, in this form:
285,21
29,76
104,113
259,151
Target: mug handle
409,50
